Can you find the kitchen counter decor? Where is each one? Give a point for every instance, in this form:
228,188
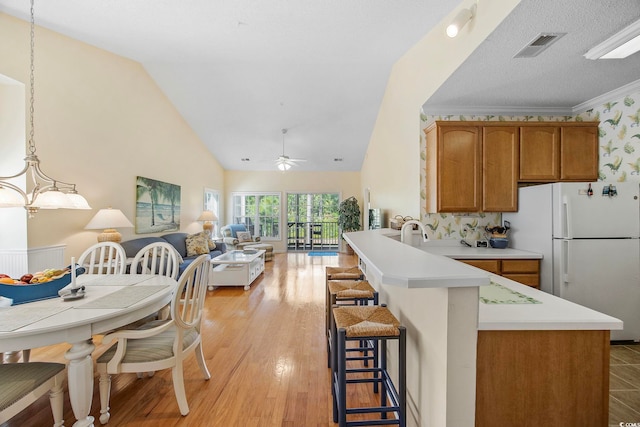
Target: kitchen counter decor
495,293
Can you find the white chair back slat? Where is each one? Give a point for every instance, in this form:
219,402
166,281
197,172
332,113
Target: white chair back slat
104,258
157,258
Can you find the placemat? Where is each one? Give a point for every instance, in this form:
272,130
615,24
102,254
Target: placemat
116,279
12,318
495,293
123,298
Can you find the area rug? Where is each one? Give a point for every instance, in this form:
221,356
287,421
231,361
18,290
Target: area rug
323,253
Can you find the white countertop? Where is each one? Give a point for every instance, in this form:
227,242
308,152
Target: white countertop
462,252
552,314
399,264
452,248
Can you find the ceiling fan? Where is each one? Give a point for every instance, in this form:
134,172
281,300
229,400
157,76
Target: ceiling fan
284,162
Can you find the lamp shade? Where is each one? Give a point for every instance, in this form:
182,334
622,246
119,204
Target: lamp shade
284,166
78,202
52,199
207,216
10,198
108,220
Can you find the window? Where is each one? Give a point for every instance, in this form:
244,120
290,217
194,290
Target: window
211,203
259,212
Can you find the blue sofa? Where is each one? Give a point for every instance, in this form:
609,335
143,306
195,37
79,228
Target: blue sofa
177,240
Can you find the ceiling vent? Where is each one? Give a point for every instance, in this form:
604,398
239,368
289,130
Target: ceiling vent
538,44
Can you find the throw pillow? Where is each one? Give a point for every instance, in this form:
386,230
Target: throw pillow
244,236
210,242
197,245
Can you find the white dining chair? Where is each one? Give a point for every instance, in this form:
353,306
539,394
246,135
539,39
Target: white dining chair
161,344
101,258
157,258
104,258
21,384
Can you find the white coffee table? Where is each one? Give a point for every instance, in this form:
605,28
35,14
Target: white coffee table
236,268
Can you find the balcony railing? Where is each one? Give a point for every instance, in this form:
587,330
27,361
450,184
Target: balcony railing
313,236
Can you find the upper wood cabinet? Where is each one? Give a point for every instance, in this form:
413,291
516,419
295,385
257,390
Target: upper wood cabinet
476,166
566,152
539,153
454,169
579,153
500,153
472,168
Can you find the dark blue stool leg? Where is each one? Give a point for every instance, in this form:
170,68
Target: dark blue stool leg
342,378
334,367
383,367
402,376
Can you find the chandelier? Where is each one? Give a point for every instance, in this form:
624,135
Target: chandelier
47,193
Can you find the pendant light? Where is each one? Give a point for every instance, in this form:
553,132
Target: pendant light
47,193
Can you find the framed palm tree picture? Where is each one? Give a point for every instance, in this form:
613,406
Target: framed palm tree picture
157,206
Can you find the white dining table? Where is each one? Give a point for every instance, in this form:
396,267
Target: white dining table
110,302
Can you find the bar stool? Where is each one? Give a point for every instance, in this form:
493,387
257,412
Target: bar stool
339,273
348,292
343,273
355,323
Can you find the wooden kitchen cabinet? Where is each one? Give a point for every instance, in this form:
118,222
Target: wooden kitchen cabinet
566,152
476,166
471,168
500,154
539,153
579,153
454,168
542,378
525,271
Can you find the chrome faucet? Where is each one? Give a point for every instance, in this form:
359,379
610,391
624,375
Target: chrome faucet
409,224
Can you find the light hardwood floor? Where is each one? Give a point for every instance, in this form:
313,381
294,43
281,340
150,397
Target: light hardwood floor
265,349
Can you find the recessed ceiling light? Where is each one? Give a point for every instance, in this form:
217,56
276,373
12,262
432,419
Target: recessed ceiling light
620,45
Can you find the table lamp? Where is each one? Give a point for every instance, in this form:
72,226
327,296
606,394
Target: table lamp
207,217
108,220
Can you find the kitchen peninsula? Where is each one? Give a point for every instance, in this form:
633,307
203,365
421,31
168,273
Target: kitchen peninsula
471,363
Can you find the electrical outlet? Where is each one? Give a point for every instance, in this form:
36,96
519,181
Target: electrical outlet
481,243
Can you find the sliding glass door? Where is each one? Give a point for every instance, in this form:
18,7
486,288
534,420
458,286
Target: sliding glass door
312,221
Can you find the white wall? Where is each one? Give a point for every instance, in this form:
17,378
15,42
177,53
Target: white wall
12,142
344,183
100,121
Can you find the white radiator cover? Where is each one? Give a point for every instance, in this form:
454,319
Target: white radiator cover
16,262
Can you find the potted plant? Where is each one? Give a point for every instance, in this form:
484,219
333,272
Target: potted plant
349,217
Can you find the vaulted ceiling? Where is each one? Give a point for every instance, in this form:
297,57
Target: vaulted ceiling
240,71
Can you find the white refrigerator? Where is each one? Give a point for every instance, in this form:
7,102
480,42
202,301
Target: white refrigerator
589,236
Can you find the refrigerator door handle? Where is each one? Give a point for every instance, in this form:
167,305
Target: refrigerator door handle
564,262
567,231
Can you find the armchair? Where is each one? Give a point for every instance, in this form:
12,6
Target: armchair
230,236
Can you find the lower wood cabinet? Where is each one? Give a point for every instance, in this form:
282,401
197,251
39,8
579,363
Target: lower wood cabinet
542,378
525,271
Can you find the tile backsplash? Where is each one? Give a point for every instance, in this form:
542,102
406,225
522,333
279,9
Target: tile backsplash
619,135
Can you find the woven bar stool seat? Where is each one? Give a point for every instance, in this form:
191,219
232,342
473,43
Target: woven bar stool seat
343,273
348,292
369,323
